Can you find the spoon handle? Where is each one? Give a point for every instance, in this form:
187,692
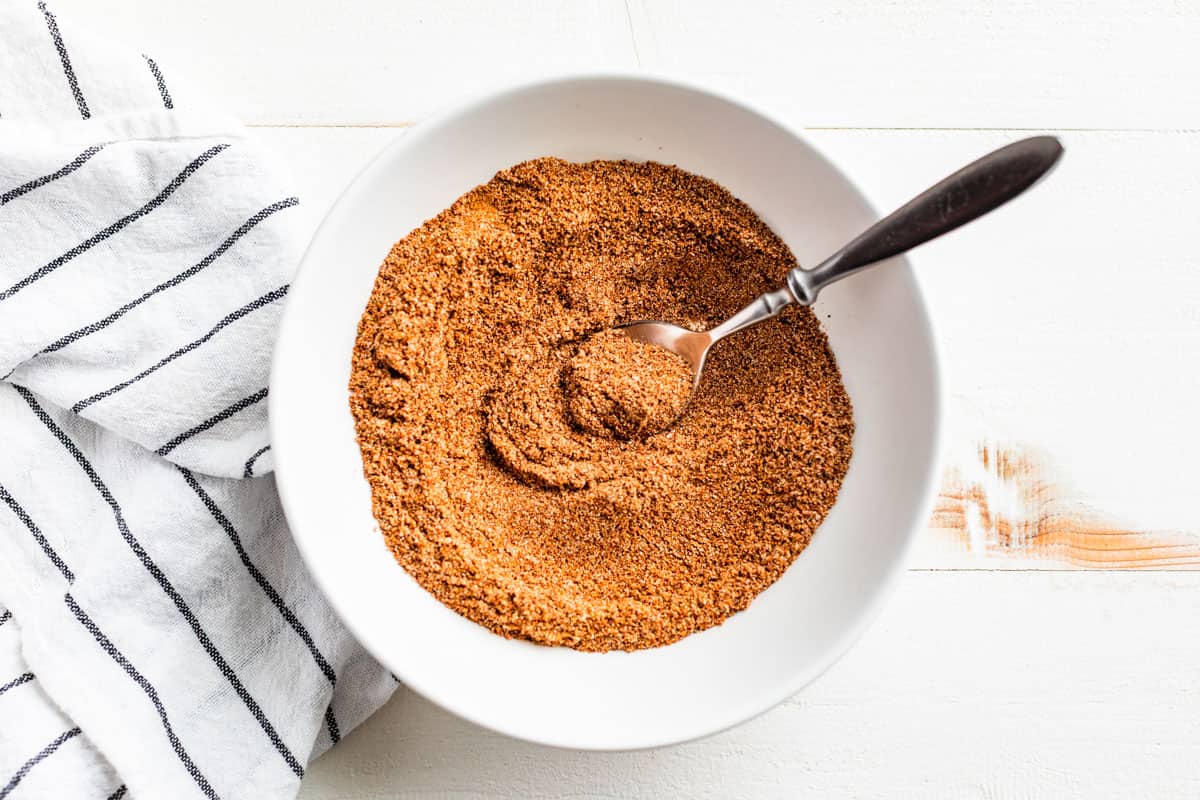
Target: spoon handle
974,190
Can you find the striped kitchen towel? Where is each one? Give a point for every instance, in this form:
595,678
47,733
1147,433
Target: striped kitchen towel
159,636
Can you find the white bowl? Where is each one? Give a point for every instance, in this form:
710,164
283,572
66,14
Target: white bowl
879,332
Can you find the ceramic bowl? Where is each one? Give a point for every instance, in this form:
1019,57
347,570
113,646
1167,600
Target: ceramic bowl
879,331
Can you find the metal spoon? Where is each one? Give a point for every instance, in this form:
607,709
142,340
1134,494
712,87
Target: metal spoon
971,192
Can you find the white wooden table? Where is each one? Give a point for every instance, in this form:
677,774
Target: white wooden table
1046,642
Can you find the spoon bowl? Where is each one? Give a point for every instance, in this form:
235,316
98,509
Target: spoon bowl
692,346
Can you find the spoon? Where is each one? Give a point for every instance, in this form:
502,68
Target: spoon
974,190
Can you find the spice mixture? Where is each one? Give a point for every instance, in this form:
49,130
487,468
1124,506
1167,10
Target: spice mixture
558,483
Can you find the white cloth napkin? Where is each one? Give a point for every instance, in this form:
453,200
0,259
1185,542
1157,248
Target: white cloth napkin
159,636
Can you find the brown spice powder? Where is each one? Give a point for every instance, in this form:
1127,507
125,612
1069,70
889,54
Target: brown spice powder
543,498
618,387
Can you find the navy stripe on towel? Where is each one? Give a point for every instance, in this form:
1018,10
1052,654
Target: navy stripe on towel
216,419
335,734
166,585
76,163
248,472
119,793
288,615
42,755
259,578
117,226
158,79
68,70
17,681
107,645
38,536
244,228
253,305
140,679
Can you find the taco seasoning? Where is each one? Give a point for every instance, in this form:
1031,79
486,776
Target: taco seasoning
556,482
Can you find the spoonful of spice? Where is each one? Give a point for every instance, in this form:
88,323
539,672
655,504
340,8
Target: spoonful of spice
974,190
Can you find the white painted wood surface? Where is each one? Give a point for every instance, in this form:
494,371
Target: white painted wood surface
1070,330
971,685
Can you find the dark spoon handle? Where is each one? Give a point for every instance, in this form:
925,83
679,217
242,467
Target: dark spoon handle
971,192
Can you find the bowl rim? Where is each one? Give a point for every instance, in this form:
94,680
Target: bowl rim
883,590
